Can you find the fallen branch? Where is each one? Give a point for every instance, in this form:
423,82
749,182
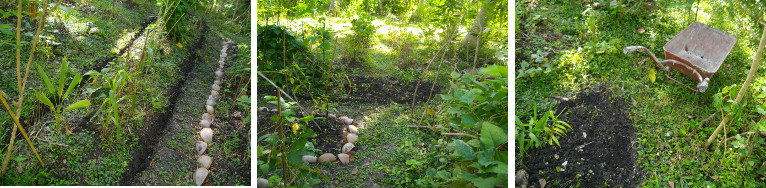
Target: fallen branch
461,134
303,111
424,127
741,134
48,141
710,117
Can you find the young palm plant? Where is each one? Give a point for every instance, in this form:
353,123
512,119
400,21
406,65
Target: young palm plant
58,90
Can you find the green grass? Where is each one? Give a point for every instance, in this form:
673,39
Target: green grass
667,116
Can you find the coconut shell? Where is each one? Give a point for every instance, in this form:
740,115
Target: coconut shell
342,118
207,117
204,161
204,123
200,175
351,138
327,157
353,129
201,147
344,158
214,92
210,102
209,109
309,159
216,87
219,73
263,109
263,182
348,121
207,135
217,82
347,147
331,115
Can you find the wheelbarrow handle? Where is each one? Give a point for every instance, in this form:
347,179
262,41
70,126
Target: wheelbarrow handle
631,49
701,86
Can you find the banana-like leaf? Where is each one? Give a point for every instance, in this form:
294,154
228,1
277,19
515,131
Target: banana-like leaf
62,76
75,81
46,79
44,99
78,105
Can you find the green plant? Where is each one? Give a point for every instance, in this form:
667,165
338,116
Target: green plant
60,95
298,147
115,83
362,37
478,105
540,130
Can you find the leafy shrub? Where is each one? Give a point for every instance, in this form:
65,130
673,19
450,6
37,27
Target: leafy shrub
479,106
362,37
404,43
178,22
297,145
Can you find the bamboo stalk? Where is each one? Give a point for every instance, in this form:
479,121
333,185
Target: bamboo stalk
23,133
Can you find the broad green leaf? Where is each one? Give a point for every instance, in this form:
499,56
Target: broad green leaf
78,105
761,109
454,75
486,182
651,75
492,136
75,81
307,118
44,99
462,149
46,79
467,176
446,96
495,70
444,174
468,120
717,102
485,157
62,76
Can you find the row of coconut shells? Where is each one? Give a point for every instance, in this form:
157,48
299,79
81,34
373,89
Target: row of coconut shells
206,133
349,134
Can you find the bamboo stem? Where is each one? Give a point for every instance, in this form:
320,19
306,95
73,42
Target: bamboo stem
23,133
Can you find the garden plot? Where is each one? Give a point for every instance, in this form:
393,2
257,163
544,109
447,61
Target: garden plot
598,151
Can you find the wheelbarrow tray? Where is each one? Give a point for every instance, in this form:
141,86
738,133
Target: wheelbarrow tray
701,47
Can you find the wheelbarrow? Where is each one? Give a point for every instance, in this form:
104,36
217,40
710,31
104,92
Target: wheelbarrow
698,51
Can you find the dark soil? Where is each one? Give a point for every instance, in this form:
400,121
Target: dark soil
385,90
370,90
599,148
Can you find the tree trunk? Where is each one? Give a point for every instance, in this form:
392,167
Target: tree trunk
478,24
331,9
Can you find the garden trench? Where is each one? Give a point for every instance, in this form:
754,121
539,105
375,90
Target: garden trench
598,150
149,134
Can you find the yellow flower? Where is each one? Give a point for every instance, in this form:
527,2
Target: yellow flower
179,45
295,128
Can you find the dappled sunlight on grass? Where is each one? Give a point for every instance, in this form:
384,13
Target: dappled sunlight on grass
575,69
123,40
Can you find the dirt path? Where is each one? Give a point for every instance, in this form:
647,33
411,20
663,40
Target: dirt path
169,155
598,150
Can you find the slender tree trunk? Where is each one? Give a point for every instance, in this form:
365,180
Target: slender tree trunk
480,22
331,9
745,86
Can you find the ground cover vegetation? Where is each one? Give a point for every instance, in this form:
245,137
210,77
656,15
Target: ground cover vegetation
589,115
117,76
423,85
